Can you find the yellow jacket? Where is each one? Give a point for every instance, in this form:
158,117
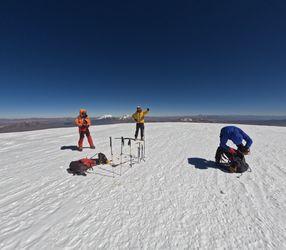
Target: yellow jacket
139,116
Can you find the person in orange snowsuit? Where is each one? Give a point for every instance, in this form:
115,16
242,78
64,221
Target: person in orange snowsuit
83,123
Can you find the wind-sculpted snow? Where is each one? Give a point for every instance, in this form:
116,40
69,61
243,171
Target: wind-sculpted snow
176,199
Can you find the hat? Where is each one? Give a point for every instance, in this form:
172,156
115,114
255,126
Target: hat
82,111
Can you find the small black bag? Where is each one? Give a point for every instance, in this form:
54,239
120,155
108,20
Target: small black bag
238,165
102,159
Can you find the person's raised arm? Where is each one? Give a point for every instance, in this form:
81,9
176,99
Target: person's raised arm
146,111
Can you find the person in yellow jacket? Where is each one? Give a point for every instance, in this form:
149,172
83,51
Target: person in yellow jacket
83,123
138,117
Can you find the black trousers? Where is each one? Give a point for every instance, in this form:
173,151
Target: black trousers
139,126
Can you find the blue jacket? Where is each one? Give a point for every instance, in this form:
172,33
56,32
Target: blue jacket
236,135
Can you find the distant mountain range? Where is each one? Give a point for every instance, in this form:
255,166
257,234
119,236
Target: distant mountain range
17,125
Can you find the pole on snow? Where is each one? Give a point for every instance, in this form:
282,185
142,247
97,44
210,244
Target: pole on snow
144,142
138,153
130,151
121,154
93,156
111,152
142,152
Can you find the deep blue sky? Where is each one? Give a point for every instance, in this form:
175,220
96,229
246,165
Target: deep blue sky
176,57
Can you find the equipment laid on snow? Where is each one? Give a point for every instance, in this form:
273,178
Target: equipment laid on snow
111,150
129,143
81,166
140,151
238,165
232,159
102,159
130,150
132,157
121,154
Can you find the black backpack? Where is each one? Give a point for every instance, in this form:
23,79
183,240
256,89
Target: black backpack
102,159
77,168
238,165
81,166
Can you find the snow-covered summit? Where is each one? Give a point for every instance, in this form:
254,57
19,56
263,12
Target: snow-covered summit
125,117
187,120
176,199
104,117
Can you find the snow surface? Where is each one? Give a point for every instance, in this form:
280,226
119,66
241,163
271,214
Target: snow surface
173,200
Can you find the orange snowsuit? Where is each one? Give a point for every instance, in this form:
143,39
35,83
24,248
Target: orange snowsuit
83,123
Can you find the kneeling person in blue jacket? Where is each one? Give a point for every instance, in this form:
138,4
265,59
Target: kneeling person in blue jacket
237,136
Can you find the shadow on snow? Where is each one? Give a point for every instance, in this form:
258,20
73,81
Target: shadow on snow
72,147
201,163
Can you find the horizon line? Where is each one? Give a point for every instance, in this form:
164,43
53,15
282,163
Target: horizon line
117,116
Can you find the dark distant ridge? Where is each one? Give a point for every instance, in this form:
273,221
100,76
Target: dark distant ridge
29,124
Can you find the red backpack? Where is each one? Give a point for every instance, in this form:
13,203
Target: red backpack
89,163
81,166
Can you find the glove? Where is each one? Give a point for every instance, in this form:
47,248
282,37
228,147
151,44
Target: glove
247,151
234,153
242,149
239,154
